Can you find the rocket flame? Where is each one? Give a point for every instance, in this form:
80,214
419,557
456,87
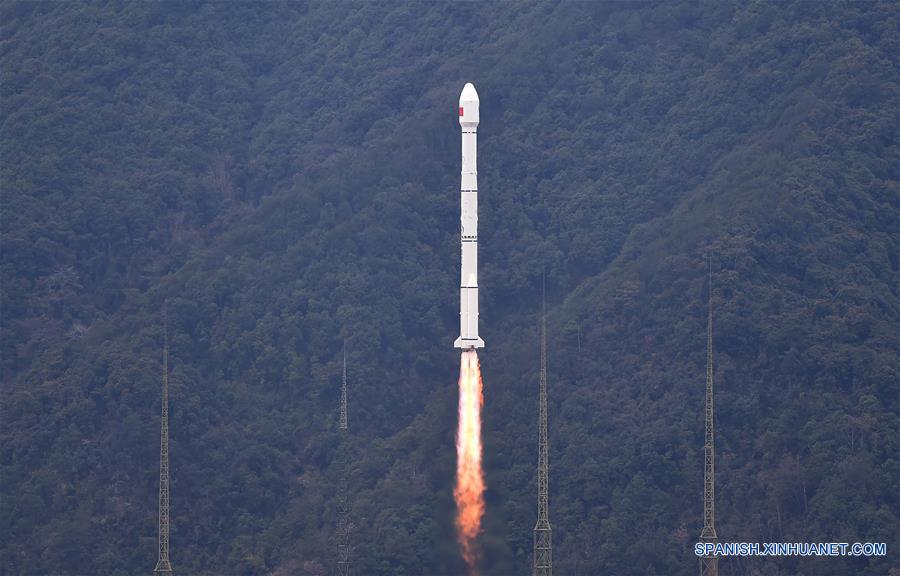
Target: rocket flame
469,490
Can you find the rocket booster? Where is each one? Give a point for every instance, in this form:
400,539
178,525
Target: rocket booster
468,289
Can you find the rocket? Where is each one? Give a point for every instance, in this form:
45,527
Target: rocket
468,288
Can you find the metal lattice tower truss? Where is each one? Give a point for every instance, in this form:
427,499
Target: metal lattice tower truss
343,527
709,565
342,424
543,535
163,565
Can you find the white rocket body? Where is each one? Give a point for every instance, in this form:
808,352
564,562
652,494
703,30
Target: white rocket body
468,291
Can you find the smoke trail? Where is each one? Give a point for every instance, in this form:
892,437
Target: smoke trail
469,488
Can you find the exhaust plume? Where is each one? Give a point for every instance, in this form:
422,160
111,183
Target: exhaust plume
469,489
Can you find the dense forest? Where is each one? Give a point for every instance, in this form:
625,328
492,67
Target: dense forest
284,177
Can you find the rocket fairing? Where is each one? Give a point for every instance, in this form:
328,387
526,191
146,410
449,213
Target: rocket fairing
468,290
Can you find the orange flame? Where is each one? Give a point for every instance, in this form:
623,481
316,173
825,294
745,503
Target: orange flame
469,490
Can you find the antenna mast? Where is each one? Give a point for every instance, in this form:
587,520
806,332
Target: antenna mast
343,418
709,565
543,536
163,565
343,531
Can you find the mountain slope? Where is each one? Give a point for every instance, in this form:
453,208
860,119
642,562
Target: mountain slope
284,176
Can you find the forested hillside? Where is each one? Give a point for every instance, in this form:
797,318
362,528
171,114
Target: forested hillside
285,177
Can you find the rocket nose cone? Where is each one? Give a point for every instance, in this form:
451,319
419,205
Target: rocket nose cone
468,93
